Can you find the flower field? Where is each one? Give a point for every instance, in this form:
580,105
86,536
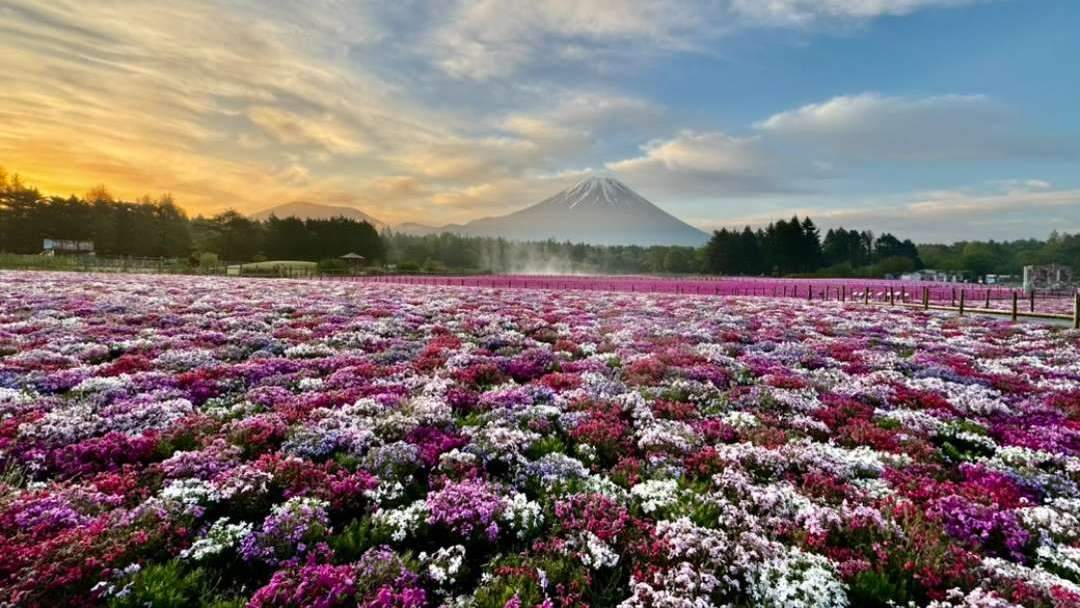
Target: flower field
180,441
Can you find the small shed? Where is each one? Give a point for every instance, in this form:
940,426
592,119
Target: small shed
66,247
354,260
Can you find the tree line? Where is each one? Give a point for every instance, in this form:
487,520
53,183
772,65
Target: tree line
791,247
159,228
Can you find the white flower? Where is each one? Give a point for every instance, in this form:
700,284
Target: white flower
656,494
740,420
444,565
221,536
597,554
191,492
798,580
402,522
523,515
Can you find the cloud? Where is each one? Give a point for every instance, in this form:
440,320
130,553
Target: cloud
872,128
486,39
495,39
692,163
289,128
801,150
804,13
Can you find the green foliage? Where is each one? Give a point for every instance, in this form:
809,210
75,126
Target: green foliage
333,266
171,585
548,444
523,581
208,260
870,588
355,538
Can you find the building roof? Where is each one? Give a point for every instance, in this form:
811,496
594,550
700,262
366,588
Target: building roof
353,256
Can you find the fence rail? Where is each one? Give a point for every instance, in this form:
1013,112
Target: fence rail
962,299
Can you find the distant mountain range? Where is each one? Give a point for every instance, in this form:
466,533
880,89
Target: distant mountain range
316,211
599,210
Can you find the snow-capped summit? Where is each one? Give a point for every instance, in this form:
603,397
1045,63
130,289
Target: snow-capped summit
607,190
598,210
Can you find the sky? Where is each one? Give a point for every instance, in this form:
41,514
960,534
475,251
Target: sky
938,120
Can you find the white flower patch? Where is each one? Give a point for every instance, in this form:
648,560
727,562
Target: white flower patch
402,522
1037,577
971,399
596,553
328,429
780,503
976,598
798,579
68,424
386,491
670,436
873,487
221,537
759,460
445,565
243,480
496,442
916,421
740,421
154,415
803,400
309,350
190,492
310,384
1059,520
656,494
430,410
681,587
183,360
1061,558
602,484
456,458
860,461
101,384
521,514
953,432
873,386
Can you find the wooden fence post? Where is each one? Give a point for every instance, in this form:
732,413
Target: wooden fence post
962,291
843,293
809,293
987,297
1014,303
866,294
926,298
1076,310
952,298
892,296
1032,300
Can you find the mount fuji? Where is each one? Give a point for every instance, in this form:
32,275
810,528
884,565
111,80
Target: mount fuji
599,210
